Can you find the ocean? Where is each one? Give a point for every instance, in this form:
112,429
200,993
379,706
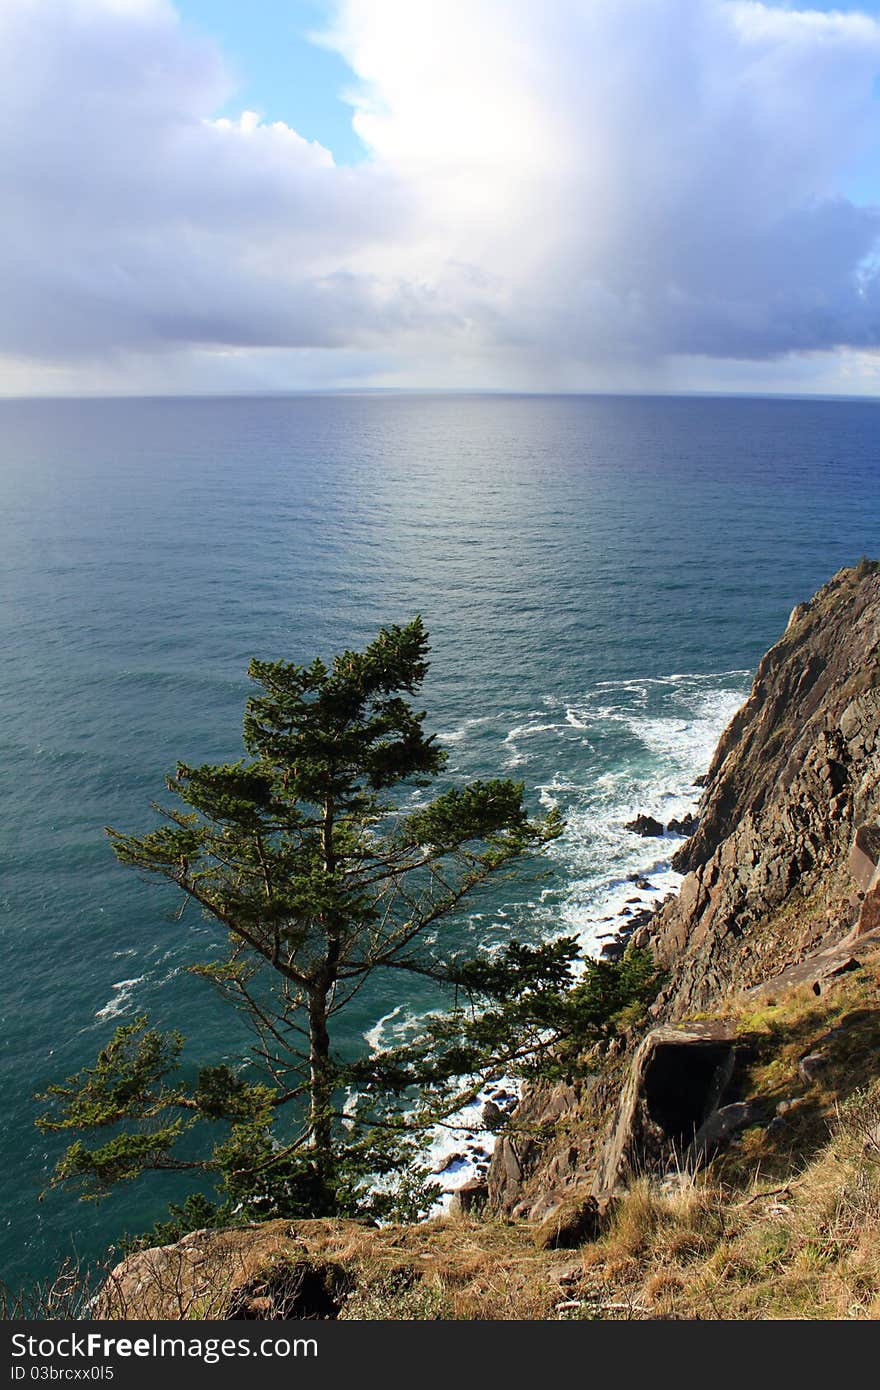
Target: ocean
599,577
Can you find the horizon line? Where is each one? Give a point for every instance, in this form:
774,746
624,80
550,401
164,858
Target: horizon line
345,391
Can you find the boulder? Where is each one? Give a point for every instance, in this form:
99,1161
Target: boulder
578,1219
492,1116
646,826
719,1127
469,1199
685,826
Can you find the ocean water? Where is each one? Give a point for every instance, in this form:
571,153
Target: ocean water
599,577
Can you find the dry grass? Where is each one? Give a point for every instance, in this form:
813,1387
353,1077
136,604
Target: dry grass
785,1224
811,1250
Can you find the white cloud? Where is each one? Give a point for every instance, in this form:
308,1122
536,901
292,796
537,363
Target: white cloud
571,194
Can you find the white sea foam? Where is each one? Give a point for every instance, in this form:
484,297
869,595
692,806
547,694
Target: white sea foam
625,748
373,1037
120,999
458,735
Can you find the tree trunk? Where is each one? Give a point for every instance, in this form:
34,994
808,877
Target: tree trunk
320,1079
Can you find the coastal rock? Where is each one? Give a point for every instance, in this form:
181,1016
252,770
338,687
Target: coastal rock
771,897
646,826
796,772
449,1161
492,1116
549,1145
685,826
641,882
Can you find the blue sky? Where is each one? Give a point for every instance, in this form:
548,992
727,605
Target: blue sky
281,73
582,195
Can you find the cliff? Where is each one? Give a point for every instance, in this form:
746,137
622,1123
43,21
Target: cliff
795,776
781,866
739,1131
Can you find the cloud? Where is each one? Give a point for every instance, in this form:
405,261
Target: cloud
552,194
134,220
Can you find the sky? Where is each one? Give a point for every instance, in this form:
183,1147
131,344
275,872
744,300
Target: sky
582,195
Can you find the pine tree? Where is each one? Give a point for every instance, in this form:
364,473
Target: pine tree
301,852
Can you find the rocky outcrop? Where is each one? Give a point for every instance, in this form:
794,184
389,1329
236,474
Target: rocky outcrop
646,826
347,1270
676,1081
795,777
781,868
272,1270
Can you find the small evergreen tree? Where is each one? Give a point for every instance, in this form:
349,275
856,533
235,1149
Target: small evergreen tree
302,854
298,851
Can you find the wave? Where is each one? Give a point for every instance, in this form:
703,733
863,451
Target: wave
119,1001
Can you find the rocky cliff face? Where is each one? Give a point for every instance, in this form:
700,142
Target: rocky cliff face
782,865
795,776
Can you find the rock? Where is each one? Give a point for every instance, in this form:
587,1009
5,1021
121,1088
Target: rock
492,1116
865,855
613,951
449,1162
566,1274
767,900
686,826
272,1270
717,1129
641,919
575,1221
869,914
470,1198
809,1067
676,1080
646,826
795,774
820,970
641,883
785,1107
